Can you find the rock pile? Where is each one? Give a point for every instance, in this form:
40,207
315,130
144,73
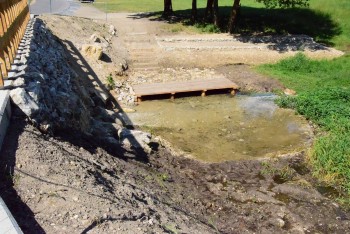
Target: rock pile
50,93
45,88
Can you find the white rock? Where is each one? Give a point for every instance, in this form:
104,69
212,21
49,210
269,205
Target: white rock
21,98
135,138
112,30
19,82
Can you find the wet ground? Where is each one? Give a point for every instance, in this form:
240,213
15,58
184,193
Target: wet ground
220,127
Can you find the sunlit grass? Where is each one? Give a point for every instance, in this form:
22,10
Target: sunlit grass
324,97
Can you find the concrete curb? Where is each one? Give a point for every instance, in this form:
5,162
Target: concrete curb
5,113
7,223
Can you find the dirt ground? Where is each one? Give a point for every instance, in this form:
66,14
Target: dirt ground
72,183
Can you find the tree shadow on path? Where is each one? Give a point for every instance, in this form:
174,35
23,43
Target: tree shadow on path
262,21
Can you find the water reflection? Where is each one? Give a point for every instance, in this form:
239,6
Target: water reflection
219,128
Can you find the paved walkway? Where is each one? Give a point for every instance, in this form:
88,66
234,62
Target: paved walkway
60,7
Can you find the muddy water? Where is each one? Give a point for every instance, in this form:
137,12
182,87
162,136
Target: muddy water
219,128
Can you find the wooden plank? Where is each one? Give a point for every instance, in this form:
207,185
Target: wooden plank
183,87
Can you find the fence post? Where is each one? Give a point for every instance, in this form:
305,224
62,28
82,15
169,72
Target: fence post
14,16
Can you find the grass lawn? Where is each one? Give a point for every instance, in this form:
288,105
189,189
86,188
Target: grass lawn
324,97
153,5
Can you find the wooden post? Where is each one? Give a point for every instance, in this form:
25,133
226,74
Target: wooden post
203,93
173,96
1,77
14,16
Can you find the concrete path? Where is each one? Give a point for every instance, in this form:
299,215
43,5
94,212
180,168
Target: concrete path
60,7
8,224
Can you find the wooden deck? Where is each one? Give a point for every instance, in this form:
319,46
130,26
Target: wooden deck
173,88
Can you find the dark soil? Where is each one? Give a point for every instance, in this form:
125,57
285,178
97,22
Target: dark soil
248,80
69,184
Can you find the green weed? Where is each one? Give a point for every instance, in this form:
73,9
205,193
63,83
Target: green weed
207,28
267,168
281,174
170,228
16,180
110,82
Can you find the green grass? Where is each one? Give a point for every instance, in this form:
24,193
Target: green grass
154,5
323,88
324,97
340,14
303,74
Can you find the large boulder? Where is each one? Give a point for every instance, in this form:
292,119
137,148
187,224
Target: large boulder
92,50
103,129
25,102
135,138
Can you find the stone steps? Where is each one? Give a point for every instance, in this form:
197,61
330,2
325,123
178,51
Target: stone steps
143,69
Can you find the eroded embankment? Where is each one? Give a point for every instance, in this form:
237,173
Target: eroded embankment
70,182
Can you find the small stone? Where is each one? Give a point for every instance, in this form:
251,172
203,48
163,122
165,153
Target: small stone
85,222
19,165
112,30
289,92
280,222
19,82
95,38
128,110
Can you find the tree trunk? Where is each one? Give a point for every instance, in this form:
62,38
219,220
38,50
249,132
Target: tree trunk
168,8
194,11
209,9
216,13
234,15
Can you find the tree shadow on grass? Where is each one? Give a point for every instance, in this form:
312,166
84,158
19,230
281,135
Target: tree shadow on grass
262,21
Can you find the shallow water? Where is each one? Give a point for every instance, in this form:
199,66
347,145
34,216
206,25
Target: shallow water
220,128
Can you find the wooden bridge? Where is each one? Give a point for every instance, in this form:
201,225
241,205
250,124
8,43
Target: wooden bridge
173,88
